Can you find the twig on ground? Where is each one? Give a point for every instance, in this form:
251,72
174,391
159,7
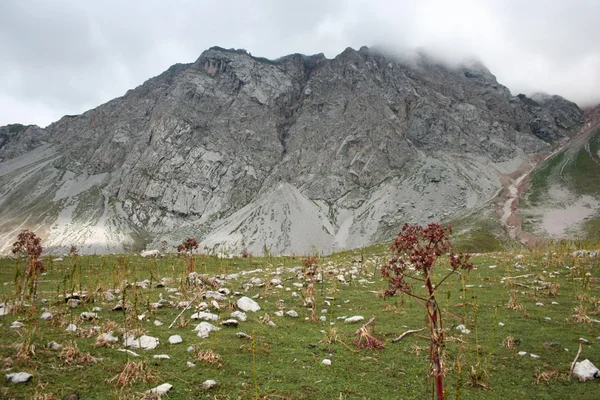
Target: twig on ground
399,338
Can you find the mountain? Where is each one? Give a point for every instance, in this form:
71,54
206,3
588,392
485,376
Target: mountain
291,155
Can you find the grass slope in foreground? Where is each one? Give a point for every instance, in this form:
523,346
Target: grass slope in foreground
284,361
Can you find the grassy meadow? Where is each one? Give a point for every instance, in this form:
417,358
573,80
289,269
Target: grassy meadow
540,303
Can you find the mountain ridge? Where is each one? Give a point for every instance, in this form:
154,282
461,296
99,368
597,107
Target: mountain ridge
187,149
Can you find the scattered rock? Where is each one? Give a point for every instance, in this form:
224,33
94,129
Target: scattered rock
292,314
161,356
585,371
534,355
205,328
326,362
352,320
206,316
108,337
144,342
522,353
157,323
71,328
89,316
161,390
584,341
53,346
209,384
150,253
96,309
230,322
46,316
73,303
278,313
190,364
19,377
247,304
239,315
243,335
463,329
175,339
17,325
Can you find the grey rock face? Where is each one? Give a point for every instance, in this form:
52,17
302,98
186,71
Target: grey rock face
285,155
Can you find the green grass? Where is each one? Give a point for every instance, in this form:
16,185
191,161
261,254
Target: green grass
578,172
288,356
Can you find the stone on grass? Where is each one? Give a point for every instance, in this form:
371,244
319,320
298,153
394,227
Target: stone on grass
292,313
162,356
522,353
247,304
46,316
230,322
161,390
19,377
585,371
53,346
584,341
150,253
243,335
73,303
96,309
157,323
352,320
205,328
71,328
144,342
278,313
239,315
209,384
17,325
323,318
205,316
175,339
86,315
463,329
190,364
108,337
326,362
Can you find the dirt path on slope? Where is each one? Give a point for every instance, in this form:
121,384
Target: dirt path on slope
513,186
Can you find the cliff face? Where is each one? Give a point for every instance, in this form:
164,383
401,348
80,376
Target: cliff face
291,154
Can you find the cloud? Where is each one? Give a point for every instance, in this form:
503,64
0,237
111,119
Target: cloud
66,56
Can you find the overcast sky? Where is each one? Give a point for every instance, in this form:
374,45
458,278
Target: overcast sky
66,56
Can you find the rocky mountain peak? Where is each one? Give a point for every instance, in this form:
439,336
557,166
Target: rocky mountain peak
352,141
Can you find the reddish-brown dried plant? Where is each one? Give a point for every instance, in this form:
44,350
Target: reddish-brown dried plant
29,245
416,249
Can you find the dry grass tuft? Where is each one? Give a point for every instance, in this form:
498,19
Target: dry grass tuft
510,342
208,357
45,396
133,372
25,350
580,315
478,376
513,303
71,355
546,376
